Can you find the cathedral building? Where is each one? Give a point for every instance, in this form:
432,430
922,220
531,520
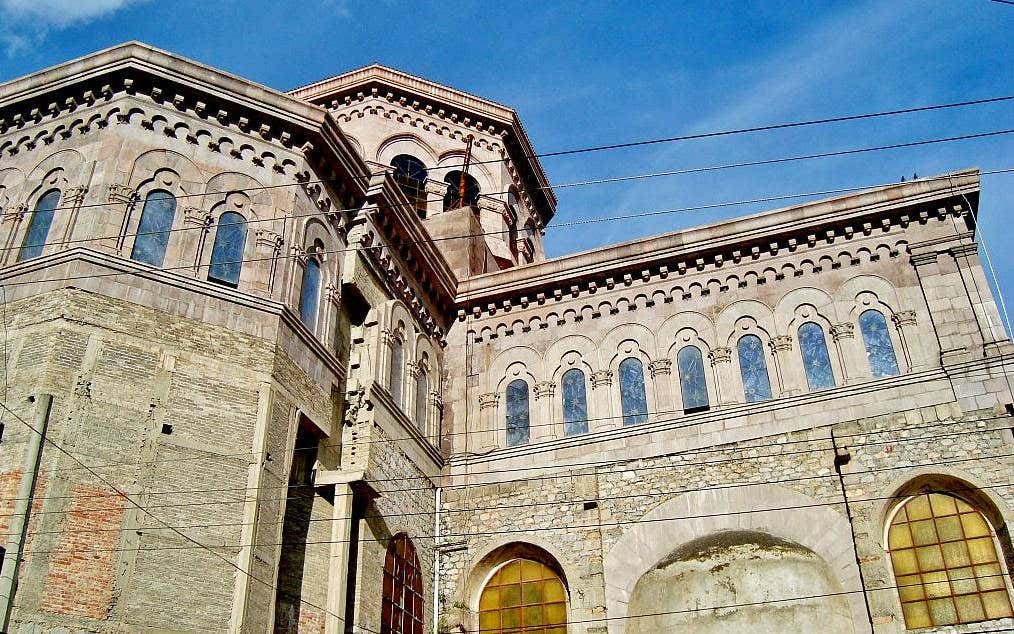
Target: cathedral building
298,362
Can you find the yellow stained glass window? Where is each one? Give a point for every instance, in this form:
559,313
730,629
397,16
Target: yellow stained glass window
523,597
945,563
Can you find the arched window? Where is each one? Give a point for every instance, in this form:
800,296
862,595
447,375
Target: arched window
396,380
633,401
575,402
523,596
154,228
411,174
422,395
402,606
879,349
38,226
816,362
692,382
518,417
945,563
309,292
227,252
753,368
453,199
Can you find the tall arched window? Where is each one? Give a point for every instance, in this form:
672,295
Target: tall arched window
518,417
309,292
227,252
411,174
693,385
523,596
396,380
753,368
453,199
879,349
38,226
945,563
422,395
154,228
816,362
575,402
633,401
402,609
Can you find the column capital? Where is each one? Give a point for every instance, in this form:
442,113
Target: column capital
660,367
196,217
544,389
488,400
74,196
781,343
267,238
333,293
720,355
601,378
16,214
117,193
904,318
299,254
844,330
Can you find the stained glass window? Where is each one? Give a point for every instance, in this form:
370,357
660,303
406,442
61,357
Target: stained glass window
945,563
523,597
402,610
575,402
692,382
309,293
154,228
753,368
227,252
879,349
816,362
410,173
38,226
397,371
452,199
422,395
633,401
518,417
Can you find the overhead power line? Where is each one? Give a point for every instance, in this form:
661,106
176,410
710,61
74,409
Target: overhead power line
593,220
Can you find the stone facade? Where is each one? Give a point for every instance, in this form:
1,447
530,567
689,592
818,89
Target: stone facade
387,366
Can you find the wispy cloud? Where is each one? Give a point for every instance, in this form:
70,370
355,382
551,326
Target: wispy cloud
27,22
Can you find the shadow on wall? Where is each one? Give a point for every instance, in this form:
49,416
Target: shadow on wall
751,570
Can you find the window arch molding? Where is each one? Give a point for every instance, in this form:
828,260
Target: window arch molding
169,171
427,360
807,313
247,198
224,260
563,401
319,244
687,338
516,372
569,353
405,143
868,300
923,489
503,549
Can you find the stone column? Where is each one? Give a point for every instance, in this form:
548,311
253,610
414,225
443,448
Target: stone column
911,350
728,392
128,197
341,534
788,368
408,396
268,244
486,435
661,377
384,358
855,367
602,395
73,197
12,220
544,423
196,225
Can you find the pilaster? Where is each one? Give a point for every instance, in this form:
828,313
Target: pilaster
852,361
602,395
786,371
661,376
728,392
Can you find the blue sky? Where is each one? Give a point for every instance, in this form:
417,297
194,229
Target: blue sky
597,73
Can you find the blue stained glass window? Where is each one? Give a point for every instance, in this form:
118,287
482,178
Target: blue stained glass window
227,252
397,370
816,362
692,382
518,420
153,229
879,349
633,401
422,392
575,403
309,294
753,368
38,226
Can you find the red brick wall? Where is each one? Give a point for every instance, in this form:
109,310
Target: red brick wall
82,567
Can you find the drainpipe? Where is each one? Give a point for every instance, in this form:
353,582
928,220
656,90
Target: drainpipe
436,563
19,519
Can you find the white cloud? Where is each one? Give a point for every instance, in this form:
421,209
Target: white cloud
59,13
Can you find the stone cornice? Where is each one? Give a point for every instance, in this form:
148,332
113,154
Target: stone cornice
710,247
